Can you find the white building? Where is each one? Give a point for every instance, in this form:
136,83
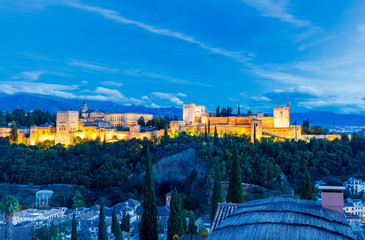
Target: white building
355,186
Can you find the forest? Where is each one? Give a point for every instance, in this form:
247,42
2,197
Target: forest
104,168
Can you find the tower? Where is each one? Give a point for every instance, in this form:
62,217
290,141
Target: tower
84,107
67,124
281,117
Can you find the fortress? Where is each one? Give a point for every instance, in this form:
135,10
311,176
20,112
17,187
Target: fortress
255,126
93,125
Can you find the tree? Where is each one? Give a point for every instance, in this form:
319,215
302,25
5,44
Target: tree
217,196
13,132
78,200
235,192
74,228
114,221
249,112
125,221
192,228
307,187
148,226
209,127
215,136
206,133
141,121
118,234
217,112
239,110
102,233
8,207
175,223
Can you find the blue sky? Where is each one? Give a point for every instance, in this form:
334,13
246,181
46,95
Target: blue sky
257,53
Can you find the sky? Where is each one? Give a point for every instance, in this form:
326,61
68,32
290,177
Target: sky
256,53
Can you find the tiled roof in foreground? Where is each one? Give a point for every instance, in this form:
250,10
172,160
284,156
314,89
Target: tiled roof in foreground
282,219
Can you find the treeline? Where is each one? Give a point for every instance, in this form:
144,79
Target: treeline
22,118
105,167
316,130
226,112
158,122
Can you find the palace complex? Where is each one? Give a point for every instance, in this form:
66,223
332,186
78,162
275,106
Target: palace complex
255,126
95,124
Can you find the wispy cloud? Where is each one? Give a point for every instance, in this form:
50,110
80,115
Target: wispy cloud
112,83
142,73
276,9
260,98
113,15
170,96
107,94
91,66
31,75
361,32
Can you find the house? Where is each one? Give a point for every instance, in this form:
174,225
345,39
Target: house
355,186
205,221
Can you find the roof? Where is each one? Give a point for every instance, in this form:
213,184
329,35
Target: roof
44,191
223,211
163,211
331,188
281,219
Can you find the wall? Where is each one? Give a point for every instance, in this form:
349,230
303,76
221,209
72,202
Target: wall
281,117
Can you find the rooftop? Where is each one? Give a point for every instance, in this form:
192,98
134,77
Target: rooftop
282,219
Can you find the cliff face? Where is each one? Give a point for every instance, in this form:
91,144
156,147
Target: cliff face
178,167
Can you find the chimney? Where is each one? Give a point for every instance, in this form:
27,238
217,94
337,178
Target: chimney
168,198
332,197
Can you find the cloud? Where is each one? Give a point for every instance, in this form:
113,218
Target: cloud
90,66
112,83
276,9
107,94
84,82
33,75
261,99
170,96
58,90
141,73
113,15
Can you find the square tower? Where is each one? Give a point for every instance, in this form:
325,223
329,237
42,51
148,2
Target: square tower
281,117
189,113
67,123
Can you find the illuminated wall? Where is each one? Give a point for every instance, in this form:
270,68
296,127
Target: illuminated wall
281,117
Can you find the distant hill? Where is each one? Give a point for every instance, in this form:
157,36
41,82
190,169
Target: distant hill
328,119
31,102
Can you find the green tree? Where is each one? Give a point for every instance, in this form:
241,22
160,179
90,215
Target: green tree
74,228
217,196
209,127
217,112
13,132
141,121
235,192
102,233
307,187
118,234
148,226
175,222
78,200
215,136
125,221
206,133
192,228
114,221
239,110
8,207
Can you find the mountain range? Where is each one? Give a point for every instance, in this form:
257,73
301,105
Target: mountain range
30,102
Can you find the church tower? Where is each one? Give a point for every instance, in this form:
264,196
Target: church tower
84,107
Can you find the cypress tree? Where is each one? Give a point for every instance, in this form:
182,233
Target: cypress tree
239,110
102,234
215,136
206,133
74,228
148,226
217,196
114,221
118,233
218,112
209,127
125,222
175,223
307,187
192,228
235,192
